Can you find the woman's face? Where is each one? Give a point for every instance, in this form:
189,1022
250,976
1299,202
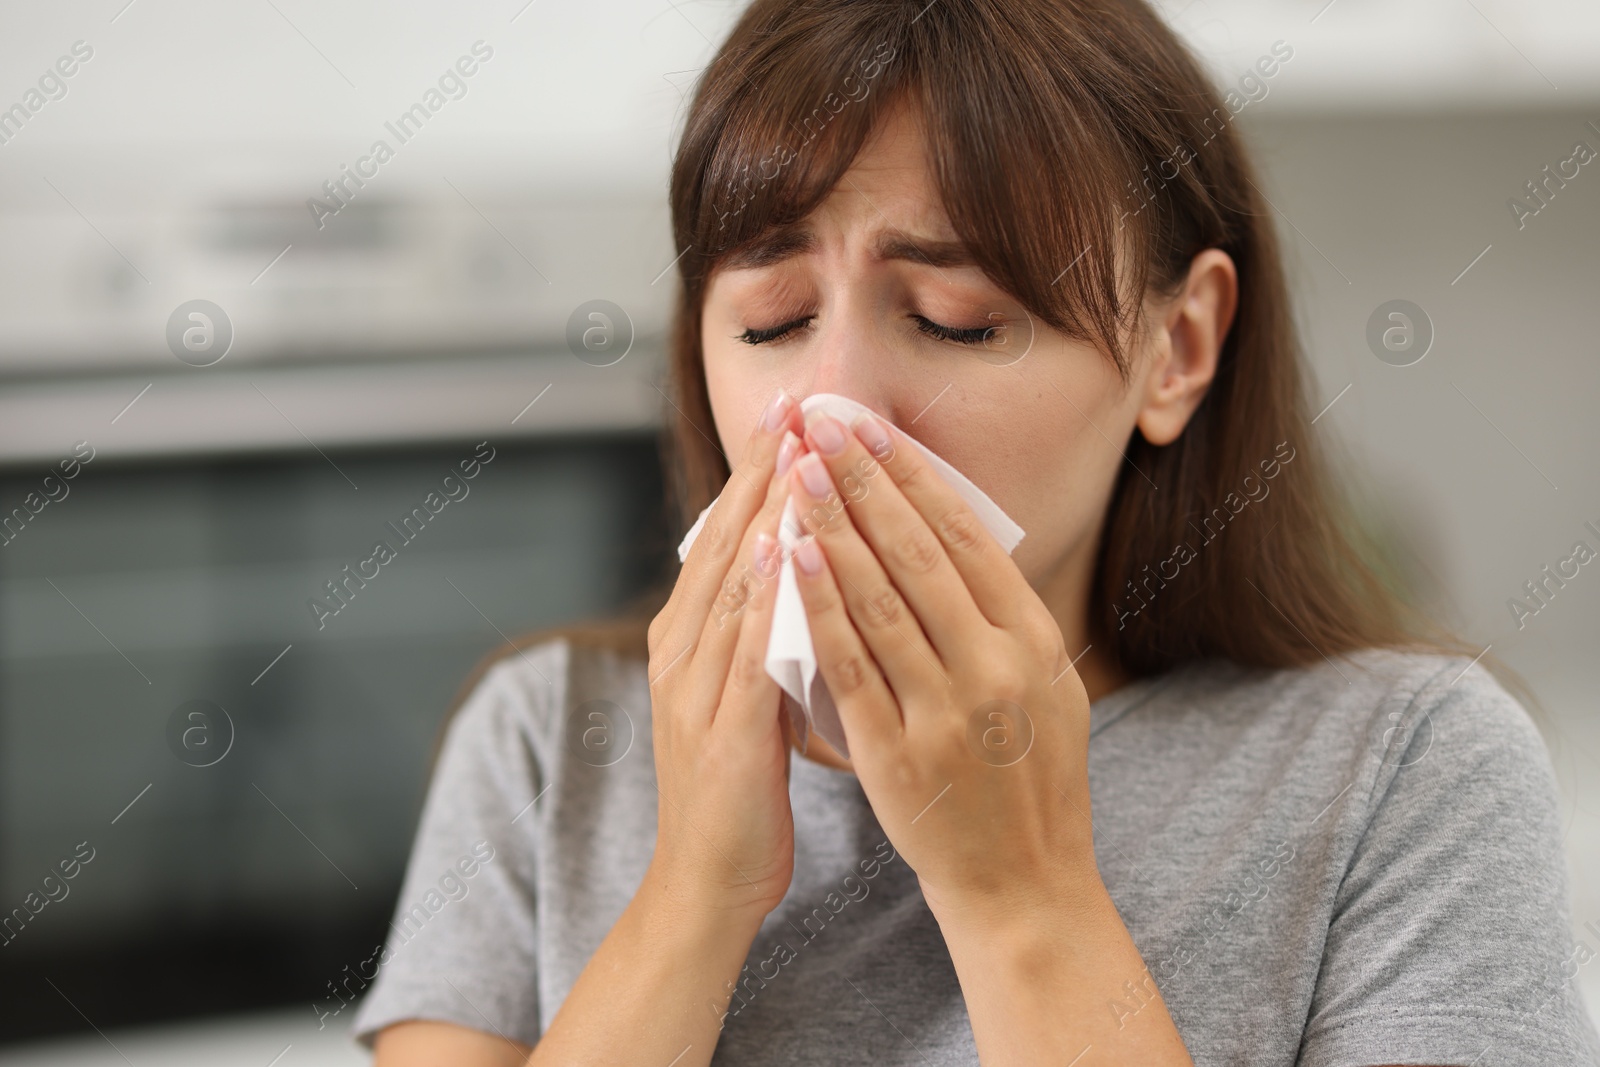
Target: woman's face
1037,420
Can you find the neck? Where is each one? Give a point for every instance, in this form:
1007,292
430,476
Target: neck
1065,593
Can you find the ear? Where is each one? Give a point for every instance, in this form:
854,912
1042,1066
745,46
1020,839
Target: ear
1184,346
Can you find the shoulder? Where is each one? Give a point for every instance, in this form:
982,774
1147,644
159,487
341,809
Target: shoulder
1396,704
1414,707
1331,744
1446,867
522,696
1459,759
1393,756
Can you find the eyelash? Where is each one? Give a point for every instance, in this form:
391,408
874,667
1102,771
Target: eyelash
753,336
972,335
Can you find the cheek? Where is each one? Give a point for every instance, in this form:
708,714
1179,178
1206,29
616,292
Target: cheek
1041,460
741,378
1056,524
736,389
739,390
1043,488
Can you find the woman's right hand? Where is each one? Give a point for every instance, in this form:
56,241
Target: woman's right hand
658,987
725,832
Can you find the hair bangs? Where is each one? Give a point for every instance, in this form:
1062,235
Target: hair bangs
784,142
1020,178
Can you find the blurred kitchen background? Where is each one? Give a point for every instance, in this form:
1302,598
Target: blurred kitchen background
364,358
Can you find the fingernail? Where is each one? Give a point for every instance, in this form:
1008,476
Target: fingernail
872,434
777,408
808,556
828,434
787,451
762,552
814,476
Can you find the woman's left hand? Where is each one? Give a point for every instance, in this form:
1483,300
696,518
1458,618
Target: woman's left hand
968,727
969,732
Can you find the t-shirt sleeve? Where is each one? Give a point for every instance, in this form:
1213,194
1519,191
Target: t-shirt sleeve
462,945
1449,941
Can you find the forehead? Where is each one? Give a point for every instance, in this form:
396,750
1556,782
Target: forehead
781,244
888,188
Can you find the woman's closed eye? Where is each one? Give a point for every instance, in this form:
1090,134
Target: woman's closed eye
753,336
968,335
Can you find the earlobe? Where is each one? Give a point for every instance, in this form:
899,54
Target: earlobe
1192,331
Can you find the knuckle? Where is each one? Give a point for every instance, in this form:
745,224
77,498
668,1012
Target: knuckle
850,674
885,609
959,529
911,476
1004,684
822,603
918,551
658,682
717,538
823,518
747,669
766,572
666,663
660,626
732,598
1043,638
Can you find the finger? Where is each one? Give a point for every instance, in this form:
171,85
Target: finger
988,574
709,663
709,559
868,710
749,703
882,618
913,555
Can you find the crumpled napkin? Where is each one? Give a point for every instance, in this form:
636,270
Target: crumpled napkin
791,659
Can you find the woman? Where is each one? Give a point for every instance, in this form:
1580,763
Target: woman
1179,780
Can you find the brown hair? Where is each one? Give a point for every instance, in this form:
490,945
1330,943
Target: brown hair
1085,159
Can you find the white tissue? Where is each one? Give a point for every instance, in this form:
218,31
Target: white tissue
791,660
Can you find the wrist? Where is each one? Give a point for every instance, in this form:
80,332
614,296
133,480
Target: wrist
1065,909
1037,970
692,908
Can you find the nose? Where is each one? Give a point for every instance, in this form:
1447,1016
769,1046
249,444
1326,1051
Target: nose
851,359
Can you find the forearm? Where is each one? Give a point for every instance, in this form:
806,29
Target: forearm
656,989
1054,982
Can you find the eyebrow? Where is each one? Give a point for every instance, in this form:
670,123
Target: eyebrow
786,242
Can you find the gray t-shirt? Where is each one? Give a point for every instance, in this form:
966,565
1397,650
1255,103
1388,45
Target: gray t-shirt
1349,864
